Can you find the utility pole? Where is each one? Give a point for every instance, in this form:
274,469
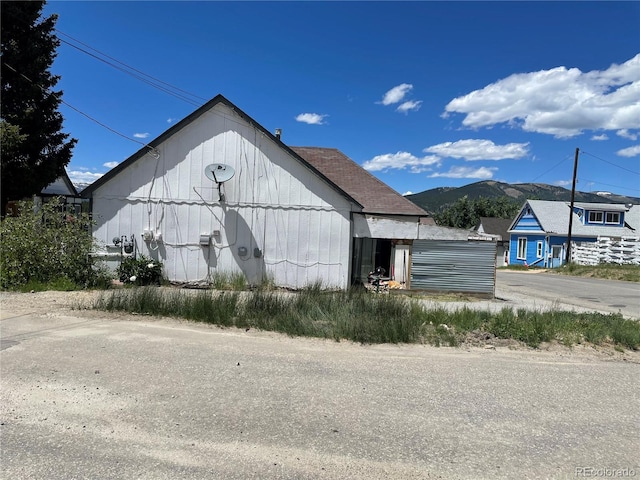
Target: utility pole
573,196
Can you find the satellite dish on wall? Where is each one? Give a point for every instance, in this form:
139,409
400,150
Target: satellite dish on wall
219,172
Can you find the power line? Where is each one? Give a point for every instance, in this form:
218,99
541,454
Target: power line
127,69
141,77
123,64
610,163
76,109
552,168
102,124
608,184
138,77
148,82
586,179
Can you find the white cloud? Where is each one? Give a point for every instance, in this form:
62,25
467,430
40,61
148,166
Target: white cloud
472,149
83,176
396,94
561,102
599,138
401,161
483,173
311,118
409,106
110,164
562,183
624,133
141,135
629,152
170,120
408,192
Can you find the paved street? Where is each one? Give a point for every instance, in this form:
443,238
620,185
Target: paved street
86,395
606,296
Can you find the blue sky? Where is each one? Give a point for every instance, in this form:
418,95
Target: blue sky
421,94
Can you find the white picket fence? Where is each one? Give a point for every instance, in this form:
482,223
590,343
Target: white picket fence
625,250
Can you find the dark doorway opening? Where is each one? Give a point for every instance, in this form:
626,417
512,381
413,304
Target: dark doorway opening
369,254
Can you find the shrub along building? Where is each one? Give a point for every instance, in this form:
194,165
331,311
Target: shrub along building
219,194
600,232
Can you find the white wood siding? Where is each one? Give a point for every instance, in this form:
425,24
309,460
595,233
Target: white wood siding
376,226
300,224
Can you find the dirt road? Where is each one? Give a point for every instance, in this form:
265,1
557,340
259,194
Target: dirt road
88,395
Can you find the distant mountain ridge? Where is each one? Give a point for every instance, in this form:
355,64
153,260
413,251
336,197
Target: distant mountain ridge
81,186
437,199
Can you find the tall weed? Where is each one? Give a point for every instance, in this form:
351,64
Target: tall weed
368,318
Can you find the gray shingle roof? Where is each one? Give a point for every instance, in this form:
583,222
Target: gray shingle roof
496,226
61,186
554,218
610,207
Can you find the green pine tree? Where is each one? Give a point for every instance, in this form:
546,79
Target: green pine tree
465,213
35,151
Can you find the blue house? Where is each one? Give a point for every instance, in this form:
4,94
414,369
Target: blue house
539,232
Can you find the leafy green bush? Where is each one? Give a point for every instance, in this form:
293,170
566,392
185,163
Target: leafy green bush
46,245
140,271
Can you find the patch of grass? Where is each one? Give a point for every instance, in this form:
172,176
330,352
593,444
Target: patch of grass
568,328
529,327
61,284
520,268
467,320
228,281
268,283
607,271
441,296
217,308
368,318
363,317
437,333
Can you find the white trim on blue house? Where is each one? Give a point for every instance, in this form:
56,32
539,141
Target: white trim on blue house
609,222
598,217
541,227
522,248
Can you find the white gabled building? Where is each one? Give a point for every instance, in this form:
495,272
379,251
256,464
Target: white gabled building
293,216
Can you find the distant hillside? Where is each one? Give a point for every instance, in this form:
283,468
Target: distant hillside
437,199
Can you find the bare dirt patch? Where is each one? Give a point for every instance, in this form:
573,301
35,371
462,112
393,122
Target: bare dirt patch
52,302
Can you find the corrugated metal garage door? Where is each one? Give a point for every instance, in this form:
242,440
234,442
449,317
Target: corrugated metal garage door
453,266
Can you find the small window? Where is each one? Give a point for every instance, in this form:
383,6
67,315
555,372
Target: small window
539,250
522,249
613,217
595,217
